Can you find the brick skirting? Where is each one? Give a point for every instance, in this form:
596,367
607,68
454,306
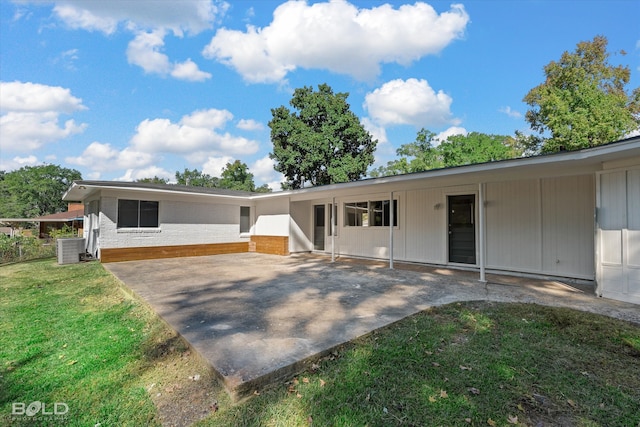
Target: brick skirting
275,245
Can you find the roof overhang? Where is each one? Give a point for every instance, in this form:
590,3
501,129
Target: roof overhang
587,160
83,190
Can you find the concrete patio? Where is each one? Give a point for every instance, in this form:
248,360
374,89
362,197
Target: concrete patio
259,318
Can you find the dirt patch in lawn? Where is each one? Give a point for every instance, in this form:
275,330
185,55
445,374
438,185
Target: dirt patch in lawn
186,390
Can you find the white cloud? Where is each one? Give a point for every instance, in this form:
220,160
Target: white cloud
196,135
150,21
214,165
336,36
249,125
149,172
376,131
264,173
211,118
18,162
102,157
411,102
37,98
77,18
453,130
192,16
509,112
189,71
31,113
145,51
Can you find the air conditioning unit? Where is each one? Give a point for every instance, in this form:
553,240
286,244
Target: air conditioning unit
69,250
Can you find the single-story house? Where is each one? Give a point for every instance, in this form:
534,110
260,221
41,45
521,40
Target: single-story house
570,215
73,217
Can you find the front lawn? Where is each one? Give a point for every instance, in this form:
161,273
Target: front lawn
71,340
69,335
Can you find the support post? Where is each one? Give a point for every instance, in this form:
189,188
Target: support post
391,218
481,232
333,229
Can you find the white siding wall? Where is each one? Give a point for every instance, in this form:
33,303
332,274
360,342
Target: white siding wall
181,223
619,235
542,226
513,235
426,222
568,209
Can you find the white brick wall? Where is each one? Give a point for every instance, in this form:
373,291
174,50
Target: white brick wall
181,223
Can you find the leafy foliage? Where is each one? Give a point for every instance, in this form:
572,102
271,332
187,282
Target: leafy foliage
236,176
22,248
583,101
154,180
321,142
424,153
196,178
34,191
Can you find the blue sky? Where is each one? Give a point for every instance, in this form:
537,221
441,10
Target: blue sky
122,90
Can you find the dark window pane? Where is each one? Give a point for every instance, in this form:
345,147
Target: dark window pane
356,214
148,214
377,213
127,213
245,222
387,213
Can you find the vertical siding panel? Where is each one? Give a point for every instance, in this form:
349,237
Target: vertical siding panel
568,225
425,210
612,214
633,199
513,230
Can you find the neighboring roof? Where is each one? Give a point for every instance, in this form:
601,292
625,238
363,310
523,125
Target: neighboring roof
588,157
76,214
72,215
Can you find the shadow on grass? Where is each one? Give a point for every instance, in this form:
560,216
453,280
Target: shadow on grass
466,364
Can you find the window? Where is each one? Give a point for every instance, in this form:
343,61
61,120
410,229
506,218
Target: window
137,214
356,214
380,213
245,219
370,214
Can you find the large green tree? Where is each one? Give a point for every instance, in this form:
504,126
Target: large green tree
236,176
196,178
425,154
33,191
583,101
321,142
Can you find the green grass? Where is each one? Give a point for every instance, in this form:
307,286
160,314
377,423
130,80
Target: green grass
467,364
68,334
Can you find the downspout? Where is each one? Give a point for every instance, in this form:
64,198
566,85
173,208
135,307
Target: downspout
391,218
481,233
334,213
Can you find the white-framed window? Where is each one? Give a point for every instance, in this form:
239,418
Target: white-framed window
375,213
138,213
